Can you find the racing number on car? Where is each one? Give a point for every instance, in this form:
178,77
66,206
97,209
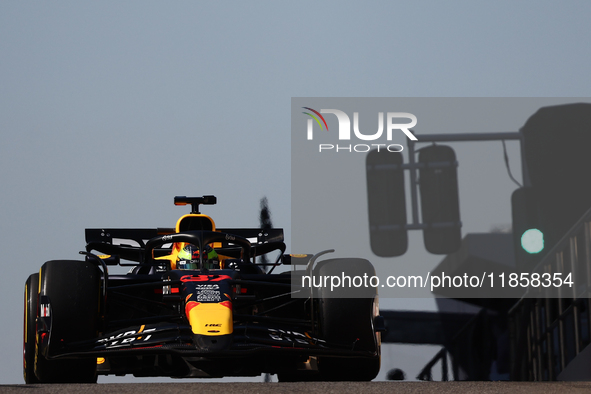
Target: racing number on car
204,278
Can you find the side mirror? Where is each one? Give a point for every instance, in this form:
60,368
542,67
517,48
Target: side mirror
109,259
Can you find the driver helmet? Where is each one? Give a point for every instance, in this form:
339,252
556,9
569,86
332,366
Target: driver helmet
188,258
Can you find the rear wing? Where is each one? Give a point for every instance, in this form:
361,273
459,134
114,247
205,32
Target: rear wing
129,244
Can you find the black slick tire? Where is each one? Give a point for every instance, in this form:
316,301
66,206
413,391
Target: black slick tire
346,318
29,328
73,291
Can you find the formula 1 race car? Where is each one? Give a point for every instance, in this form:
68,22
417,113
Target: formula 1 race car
198,301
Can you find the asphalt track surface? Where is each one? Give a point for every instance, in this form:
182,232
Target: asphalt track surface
315,387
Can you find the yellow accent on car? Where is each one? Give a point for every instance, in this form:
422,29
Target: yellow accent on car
100,360
192,221
195,221
210,319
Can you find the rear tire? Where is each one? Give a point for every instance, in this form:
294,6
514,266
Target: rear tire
73,289
30,328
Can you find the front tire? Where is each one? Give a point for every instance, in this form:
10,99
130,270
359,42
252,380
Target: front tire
346,318
73,290
30,328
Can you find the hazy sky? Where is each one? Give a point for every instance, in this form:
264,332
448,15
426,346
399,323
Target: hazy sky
110,109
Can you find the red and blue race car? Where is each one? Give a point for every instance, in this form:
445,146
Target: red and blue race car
198,301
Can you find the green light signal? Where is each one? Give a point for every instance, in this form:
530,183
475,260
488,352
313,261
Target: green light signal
532,241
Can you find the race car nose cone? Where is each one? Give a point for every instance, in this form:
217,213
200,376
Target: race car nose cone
218,342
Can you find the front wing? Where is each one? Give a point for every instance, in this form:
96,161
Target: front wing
167,349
